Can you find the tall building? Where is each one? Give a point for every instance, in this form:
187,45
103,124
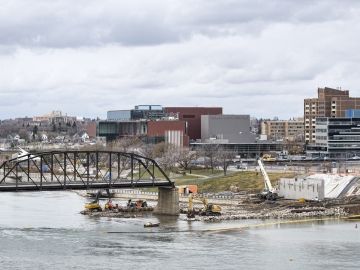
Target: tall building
329,103
289,130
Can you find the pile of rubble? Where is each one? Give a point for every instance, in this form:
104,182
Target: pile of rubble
281,214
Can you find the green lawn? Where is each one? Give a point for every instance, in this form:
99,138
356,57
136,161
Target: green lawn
194,174
217,182
243,180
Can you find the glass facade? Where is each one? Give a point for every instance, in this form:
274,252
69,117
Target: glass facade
119,115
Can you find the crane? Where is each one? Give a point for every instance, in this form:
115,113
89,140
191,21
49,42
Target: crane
269,192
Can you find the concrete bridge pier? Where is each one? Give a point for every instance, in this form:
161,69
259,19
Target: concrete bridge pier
168,201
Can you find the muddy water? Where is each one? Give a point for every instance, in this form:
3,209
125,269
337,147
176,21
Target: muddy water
45,231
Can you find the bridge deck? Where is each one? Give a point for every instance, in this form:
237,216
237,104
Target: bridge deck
79,185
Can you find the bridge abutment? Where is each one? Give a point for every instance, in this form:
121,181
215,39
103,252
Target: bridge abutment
168,201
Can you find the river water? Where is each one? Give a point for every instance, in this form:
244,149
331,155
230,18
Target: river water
44,230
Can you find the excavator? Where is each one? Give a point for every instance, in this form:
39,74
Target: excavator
269,193
94,205
208,210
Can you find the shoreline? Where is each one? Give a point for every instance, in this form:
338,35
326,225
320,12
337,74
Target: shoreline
240,209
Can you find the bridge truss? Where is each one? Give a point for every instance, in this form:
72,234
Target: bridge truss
60,170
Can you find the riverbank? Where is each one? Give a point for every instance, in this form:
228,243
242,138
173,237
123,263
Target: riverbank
245,208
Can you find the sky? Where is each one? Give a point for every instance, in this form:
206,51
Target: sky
257,57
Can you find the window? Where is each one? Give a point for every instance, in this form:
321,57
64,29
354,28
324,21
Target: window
188,116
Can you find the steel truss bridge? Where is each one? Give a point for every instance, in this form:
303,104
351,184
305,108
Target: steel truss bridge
79,170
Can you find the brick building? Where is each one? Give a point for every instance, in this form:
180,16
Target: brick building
192,115
173,132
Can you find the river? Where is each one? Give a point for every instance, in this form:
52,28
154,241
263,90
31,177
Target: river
44,230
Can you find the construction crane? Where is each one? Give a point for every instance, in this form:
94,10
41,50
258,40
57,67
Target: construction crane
269,192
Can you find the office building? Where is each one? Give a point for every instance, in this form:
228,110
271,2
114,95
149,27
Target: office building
336,137
352,113
329,103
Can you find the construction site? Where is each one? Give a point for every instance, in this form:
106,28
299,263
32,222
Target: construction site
312,196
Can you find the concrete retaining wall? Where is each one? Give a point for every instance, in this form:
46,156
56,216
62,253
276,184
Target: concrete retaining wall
296,188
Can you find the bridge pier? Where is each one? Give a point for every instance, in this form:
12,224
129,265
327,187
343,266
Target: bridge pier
168,201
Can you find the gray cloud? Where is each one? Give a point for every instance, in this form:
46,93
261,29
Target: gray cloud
68,23
257,57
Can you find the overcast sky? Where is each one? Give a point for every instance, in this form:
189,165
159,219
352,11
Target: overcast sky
257,57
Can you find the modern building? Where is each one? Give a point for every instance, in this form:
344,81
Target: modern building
352,113
172,132
192,115
288,130
336,137
119,115
150,131
118,129
329,103
147,112
138,113
226,129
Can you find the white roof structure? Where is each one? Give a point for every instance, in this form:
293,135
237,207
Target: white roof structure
335,185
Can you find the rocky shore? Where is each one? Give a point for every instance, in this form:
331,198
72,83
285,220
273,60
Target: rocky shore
247,209
281,209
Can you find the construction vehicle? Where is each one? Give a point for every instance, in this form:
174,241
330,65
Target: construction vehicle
269,192
94,205
209,209
268,157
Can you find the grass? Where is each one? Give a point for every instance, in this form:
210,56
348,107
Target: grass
242,180
194,174
217,182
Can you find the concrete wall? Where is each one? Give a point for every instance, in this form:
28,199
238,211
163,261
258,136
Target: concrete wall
168,202
296,188
229,128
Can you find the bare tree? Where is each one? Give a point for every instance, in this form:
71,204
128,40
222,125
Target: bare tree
185,157
166,156
126,144
209,152
224,158
147,150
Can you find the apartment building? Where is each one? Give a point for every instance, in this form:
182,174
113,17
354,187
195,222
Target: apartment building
329,103
289,130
